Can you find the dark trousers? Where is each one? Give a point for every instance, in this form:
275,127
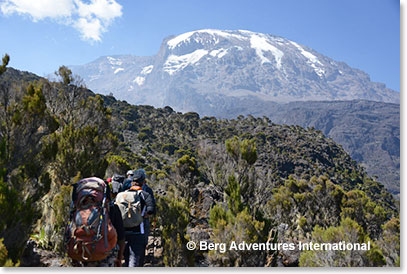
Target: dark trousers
146,223
135,249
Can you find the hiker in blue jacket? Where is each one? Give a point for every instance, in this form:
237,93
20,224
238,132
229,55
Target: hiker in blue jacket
135,236
128,181
140,177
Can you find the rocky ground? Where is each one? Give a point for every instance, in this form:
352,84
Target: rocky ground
35,256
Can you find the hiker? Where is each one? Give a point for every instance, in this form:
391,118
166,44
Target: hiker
127,182
135,205
140,177
116,184
95,235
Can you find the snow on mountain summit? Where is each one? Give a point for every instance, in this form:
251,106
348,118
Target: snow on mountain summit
195,36
221,41
175,63
210,71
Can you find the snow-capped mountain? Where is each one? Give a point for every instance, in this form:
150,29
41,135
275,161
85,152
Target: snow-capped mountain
211,71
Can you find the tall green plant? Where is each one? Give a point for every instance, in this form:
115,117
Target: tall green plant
174,218
350,232
236,223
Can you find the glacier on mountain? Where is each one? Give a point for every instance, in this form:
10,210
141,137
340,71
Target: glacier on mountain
312,60
176,63
118,70
214,71
114,61
260,44
147,70
186,37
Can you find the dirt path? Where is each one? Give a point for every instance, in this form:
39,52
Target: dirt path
37,257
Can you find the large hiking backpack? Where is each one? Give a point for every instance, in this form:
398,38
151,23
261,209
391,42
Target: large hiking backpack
90,234
129,203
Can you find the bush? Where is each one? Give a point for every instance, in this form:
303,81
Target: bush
117,164
350,232
237,224
174,218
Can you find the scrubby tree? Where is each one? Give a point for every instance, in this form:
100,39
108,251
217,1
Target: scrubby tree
67,96
358,206
85,137
303,204
350,232
244,155
24,123
117,164
236,223
187,175
174,218
390,242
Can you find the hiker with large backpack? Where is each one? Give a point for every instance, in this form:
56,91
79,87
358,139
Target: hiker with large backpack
134,204
140,177
95,234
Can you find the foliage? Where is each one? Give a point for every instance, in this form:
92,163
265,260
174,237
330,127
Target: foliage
242,227
79,150
237,224
350,232
187,172
234,196
53,133
174,218
40,238
359,207
390,242
303,204
117,164
244,154
242,149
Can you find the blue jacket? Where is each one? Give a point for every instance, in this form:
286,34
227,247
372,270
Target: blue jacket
147,189
126,184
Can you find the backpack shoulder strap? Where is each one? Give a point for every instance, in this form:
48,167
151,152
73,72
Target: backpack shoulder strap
140,193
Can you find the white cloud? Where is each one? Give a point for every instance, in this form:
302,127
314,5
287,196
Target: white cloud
90,18
39,9
90,29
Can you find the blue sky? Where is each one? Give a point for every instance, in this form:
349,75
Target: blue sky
42,35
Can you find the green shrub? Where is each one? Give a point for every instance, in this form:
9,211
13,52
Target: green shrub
350,232
174,218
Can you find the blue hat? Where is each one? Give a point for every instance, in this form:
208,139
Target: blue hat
139,175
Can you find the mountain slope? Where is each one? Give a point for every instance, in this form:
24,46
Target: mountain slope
204,70
368,131
230,73
248,175
283,149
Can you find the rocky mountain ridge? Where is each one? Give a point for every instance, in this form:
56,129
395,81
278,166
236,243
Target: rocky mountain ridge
207,71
